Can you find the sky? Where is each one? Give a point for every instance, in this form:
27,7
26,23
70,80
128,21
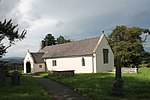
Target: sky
74,19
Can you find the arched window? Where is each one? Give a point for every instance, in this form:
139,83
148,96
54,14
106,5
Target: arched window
105,56
83,61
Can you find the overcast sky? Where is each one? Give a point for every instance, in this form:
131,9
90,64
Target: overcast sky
74,19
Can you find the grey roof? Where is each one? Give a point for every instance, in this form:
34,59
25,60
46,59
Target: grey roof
76,48
37,57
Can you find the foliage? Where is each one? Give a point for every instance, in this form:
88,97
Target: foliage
61,40
145,57
99,85
11,64
29,89
127,43
50,40
145,65
42,44
8,31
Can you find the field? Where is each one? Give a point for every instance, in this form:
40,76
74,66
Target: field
99,85
29,89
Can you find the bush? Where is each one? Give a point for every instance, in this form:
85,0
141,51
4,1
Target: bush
145,65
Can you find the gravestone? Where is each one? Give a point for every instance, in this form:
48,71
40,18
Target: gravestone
118,84
15,78
68,73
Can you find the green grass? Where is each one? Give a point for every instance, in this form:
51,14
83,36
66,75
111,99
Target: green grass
99,85
43,74
28,89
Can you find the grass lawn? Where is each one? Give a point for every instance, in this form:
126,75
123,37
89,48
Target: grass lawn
29,89
99,85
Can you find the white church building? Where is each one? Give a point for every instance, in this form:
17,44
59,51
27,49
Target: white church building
84,56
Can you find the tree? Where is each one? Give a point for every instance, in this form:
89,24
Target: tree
50,40
8,31
127,43
146,59
61,40
42,44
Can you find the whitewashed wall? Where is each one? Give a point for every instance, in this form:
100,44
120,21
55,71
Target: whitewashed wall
100,66
28,58
71,63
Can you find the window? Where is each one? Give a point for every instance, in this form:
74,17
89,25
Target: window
83,61
105,56
54,63
40,66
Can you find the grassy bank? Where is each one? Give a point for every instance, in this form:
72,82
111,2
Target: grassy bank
99,85
29,89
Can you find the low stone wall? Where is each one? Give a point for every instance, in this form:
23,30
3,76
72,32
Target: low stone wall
62,73
126,70
129,70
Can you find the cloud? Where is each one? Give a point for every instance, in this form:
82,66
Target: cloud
6,7
19,50
59,23
72,18
41,23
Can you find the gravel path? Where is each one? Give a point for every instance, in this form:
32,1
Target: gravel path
58,91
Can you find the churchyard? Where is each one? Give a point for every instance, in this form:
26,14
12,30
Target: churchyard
99,85
28,89
96,85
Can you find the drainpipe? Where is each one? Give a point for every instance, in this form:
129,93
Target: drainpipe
93,63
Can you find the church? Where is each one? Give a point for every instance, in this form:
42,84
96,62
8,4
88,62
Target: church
90,55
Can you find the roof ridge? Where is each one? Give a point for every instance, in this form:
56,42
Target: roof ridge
36,52
74,41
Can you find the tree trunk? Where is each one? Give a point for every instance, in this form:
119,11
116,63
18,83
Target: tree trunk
2,77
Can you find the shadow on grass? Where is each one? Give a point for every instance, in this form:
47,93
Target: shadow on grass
137,88
99,85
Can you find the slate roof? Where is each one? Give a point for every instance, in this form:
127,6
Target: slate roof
76,48
37,57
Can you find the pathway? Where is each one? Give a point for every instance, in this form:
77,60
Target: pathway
58,91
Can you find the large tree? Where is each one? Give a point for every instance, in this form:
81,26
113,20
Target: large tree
127,43
8,32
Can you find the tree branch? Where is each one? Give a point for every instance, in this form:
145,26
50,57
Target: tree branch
145,37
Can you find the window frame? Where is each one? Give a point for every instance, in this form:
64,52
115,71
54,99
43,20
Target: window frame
83,61
40,66
105,56
54,63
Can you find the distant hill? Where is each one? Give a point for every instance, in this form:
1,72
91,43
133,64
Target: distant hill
13,60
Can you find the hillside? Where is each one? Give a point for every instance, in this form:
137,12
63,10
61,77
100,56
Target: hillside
13,60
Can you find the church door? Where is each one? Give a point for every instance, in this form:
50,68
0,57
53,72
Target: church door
28,67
